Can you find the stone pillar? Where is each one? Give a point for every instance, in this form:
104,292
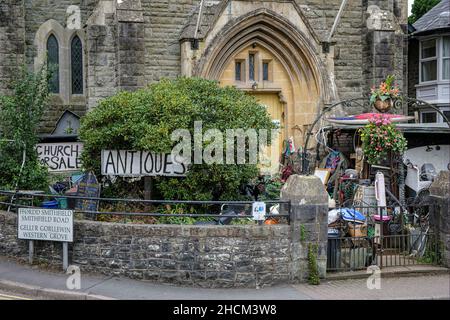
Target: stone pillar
440,193
101,40
115,49
384,49
309,223
12,41
131,45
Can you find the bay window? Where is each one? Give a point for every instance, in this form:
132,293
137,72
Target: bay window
428,60
446,58
435,59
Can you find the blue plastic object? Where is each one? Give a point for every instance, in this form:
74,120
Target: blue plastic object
50,204
352,215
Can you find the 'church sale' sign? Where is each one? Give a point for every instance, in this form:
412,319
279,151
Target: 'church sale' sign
60,157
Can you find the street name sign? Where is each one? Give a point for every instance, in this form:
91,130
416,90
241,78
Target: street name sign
45,224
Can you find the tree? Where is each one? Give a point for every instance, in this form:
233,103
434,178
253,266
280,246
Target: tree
419,8
20,114
145,119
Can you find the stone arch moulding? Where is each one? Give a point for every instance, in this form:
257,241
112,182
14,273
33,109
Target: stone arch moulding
298,52
40,41
64,37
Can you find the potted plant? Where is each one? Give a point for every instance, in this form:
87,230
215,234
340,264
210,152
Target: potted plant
379,137
382,97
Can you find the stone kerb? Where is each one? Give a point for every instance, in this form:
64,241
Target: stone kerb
309,223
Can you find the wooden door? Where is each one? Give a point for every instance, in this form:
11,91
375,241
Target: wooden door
275,108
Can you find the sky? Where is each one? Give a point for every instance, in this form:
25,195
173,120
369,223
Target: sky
410,2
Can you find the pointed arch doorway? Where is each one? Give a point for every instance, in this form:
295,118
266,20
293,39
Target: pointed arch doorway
267,56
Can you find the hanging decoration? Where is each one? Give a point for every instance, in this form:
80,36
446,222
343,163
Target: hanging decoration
379,137
382,98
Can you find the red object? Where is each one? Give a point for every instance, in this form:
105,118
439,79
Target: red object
366,116
286,173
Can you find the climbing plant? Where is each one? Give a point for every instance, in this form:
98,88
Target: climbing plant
313,278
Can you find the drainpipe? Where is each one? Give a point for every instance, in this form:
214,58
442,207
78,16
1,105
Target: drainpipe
337,20
199,18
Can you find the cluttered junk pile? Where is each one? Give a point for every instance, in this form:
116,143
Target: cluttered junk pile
367,201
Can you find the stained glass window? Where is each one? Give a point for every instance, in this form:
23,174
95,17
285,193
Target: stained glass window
53,63
76,63
251,65
238,69
266,71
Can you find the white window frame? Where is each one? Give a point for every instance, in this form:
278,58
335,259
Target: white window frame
442,58
422,113
422,60
439,117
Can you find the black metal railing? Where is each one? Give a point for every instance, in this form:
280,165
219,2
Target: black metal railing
215,209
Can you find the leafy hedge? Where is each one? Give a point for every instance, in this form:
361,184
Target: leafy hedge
145,120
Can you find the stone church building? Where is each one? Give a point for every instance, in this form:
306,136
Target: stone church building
295,56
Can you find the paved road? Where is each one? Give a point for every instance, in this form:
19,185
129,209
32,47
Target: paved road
6,295
412,287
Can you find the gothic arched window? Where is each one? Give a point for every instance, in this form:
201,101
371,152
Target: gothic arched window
53,63
76,64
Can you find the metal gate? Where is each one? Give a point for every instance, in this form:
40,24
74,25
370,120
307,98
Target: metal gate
404,240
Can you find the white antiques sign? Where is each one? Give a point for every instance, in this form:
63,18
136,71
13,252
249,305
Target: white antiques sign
141,163
259,211
60,157
45,224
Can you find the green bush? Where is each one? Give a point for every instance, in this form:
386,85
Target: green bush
20,114
145,120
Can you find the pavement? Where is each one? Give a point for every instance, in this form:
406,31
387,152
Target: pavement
21,280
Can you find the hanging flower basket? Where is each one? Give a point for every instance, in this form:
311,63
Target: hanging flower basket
380,137
382,98
384,106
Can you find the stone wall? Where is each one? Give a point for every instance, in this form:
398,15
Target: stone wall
413,67
205,256
102,66
12,42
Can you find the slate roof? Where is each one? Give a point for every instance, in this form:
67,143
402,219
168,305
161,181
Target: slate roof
435,19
